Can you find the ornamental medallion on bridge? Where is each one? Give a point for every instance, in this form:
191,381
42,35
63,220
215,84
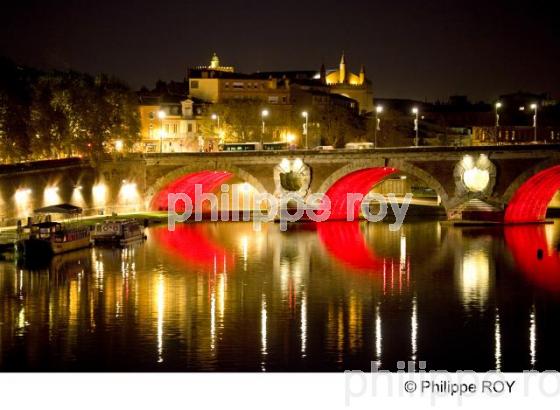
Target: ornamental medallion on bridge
475,176
292,176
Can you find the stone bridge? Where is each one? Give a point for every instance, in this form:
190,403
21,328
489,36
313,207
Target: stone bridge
520,180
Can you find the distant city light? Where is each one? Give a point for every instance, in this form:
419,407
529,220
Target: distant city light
77,196
304,114
214,117
297,164
379,109
533,106
22,196
128,192
161,114
415,110
50,196
119,145
99,192
285,165
498,105
264,113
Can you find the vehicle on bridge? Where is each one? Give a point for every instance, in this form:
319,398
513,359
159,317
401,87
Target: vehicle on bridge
275,146
359,145
254,146
240,146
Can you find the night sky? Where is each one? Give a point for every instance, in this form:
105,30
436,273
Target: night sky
417,49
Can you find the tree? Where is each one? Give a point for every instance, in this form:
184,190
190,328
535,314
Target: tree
338,125
53,114
14,111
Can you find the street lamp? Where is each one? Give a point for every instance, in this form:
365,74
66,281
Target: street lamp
415,112
264,114
497,106
216,117
161,115
534,107
378,111
305,115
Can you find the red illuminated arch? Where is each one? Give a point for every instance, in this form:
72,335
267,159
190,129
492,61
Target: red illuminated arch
533,255
345,243
209,181
191,244
359,182
530,201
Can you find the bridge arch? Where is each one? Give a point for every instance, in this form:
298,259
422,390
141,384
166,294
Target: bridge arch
362,176
183,179
529,195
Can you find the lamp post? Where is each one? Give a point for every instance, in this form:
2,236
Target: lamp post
534,107
264,114
378,111
305,115
415,112
161,116
497,107
216,117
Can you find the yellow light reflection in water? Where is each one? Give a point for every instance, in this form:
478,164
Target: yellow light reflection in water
99,270
303,324
213,320
378,334
414,329
533,336
498,341
475,277
264,350
354,321
403,253
160,314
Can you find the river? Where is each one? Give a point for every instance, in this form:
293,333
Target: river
326,297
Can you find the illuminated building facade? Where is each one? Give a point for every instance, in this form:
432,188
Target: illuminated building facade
355,86
215,84
170,124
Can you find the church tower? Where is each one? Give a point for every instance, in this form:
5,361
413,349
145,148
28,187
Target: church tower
215,62
342,70
323,74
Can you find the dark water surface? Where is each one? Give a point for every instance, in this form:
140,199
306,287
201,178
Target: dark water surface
219,296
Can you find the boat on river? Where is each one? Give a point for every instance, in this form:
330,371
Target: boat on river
118,232
47,238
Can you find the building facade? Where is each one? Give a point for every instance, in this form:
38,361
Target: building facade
171,124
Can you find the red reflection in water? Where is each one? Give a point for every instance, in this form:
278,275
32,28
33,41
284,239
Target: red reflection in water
360,182
525,243
209,181
345,242
531,200
191,244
